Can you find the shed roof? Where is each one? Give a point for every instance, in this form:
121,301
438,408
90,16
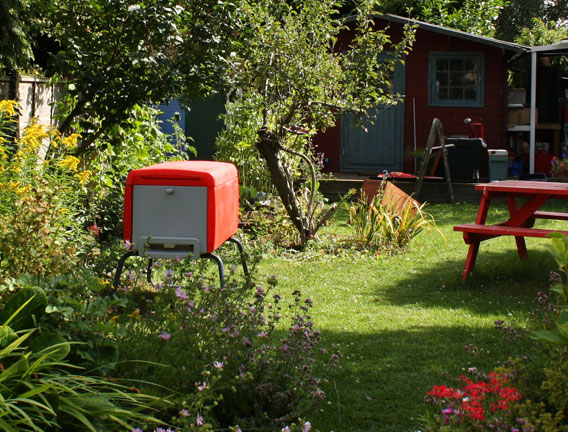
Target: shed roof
509,46
559,48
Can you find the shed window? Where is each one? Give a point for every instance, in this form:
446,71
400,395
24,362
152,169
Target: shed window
456,79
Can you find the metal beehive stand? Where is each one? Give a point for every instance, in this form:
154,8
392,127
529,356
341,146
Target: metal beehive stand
210,256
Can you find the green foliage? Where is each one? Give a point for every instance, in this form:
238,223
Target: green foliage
470,16
520,14
541,32
40,391
31,301
115,55
381,225
15,46
42,226
557,316
236,144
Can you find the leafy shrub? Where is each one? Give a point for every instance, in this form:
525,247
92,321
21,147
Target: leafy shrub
226,353
135,143
42,226
41,391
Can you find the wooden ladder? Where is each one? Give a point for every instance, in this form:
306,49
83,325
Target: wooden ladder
436,129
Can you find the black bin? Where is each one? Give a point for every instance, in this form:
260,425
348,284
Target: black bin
467,159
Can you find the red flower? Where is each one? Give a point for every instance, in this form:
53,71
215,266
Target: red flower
93,229
443,392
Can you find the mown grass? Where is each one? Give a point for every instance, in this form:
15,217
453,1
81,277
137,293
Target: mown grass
406,322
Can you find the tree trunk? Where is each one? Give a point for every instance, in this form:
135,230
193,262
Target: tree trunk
268,147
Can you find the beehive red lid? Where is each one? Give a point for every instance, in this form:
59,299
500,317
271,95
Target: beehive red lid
202,173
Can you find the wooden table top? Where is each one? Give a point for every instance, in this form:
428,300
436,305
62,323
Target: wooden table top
529,187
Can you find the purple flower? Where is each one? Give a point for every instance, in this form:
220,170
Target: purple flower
199,420
202,386
246,342
165,336
307,427
262,334
168,274
182,295
218,365
137,430
127,244
285,429
184,413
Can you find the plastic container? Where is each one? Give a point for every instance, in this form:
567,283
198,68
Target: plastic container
498,164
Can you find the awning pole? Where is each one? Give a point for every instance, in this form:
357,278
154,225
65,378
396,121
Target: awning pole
532,138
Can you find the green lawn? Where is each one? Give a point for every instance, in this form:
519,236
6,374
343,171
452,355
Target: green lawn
401,323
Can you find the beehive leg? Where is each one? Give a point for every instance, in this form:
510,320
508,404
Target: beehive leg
242,253
219,262
119,268
149,271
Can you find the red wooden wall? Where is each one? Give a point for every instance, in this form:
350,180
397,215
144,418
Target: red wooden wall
492,114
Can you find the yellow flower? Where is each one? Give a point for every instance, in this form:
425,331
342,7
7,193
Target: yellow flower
71,140
135,314
70,162
172,316
33,135
83,176
9,107
114,319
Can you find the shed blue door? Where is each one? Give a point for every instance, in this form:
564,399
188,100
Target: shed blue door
381,147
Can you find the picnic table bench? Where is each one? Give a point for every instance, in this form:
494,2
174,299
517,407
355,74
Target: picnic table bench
521,219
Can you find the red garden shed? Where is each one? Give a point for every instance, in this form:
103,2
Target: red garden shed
450,75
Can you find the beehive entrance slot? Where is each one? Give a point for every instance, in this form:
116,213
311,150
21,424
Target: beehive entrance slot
169,247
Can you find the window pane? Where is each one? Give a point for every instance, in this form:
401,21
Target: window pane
442,65
470,79
456,65
470,65
470,93
456,93
456,79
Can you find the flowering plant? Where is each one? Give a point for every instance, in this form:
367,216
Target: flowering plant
559,167
42,220
484,405
241,354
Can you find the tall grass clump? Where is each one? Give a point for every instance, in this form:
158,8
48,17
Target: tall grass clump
379,223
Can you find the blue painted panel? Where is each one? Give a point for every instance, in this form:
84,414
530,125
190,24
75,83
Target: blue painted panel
379,147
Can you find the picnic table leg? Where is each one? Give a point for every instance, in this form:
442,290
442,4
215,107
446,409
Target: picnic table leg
470,260
521,247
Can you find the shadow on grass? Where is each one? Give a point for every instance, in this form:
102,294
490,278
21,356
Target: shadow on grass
383,377
501,282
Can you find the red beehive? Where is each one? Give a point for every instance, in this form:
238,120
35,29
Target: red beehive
174,209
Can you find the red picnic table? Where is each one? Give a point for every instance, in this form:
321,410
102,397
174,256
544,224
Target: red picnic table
521,218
